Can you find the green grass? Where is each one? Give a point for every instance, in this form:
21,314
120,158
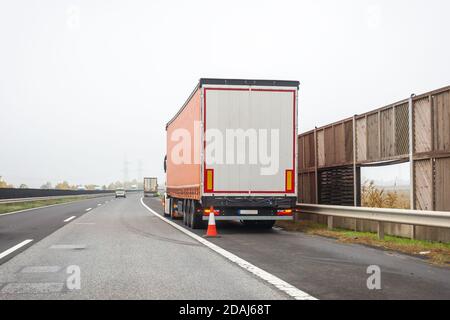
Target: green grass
397,240
17,206
435,252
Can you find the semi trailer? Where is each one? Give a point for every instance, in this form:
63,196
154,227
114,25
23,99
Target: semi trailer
150,187
232,150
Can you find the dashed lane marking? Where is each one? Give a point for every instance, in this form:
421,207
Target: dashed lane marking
70,218
40,269
68,246
16,247
32,288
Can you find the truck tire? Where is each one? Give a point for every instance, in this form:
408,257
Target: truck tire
185,218
188,219
172,206
185,212
197,222
196,218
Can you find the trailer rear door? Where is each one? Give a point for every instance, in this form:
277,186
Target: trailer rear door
249,140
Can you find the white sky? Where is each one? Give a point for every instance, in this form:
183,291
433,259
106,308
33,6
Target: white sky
84,83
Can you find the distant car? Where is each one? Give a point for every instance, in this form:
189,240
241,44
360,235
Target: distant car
121,193
81,188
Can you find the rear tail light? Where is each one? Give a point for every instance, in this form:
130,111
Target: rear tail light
286,212
206,212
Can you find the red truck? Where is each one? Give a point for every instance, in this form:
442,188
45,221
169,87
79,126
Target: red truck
231,148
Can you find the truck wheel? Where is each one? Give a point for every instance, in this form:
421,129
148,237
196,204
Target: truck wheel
188,219
185,218
196,218
185,212
197,222
172,207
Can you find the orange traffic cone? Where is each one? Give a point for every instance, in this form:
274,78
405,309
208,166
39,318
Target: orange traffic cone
212,231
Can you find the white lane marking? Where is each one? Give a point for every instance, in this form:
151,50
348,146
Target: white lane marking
17,246
33,288
88,209
68,246
270,278
40,269
71,218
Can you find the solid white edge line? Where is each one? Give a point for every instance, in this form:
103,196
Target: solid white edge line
17,246
88,209
282,285
71,218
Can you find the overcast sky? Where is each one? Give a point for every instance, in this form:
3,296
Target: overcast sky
84,84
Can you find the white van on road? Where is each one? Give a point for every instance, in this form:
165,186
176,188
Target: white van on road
120,192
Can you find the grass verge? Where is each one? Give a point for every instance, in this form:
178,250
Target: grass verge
435,252
17,206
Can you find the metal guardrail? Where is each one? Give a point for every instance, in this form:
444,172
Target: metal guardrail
18,193
410,217
16,200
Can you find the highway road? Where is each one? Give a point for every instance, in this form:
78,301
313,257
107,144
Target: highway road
37,223
327,269
125,250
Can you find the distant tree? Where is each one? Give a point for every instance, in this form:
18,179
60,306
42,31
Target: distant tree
104,187
4,184
115,185
63,186
131,183
23,186
90,186
47,185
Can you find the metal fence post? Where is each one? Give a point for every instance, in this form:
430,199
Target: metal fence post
330,222
411,159
355,184
380,229
316,161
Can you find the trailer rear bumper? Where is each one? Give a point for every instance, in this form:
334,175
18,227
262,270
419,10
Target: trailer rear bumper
250,218
249,202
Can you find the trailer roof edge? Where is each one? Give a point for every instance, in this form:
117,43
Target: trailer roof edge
235,82
249,82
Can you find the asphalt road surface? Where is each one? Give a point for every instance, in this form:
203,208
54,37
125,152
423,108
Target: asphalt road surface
121,250
327,269
38,223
